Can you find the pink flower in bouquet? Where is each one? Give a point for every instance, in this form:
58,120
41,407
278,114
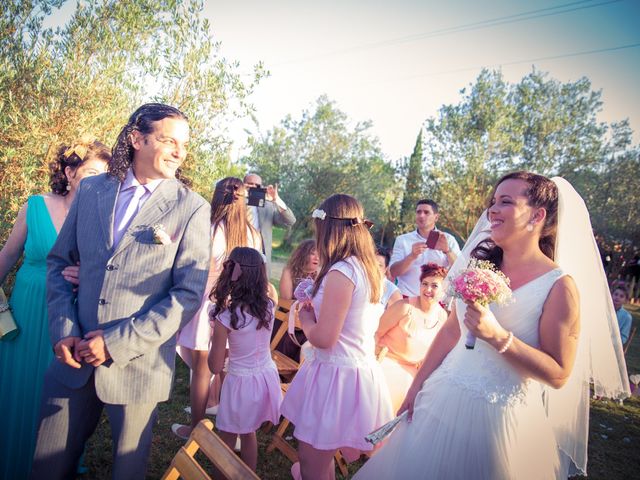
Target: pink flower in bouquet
483,283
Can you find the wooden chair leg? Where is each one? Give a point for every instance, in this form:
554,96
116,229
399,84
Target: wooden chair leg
278,442
224,460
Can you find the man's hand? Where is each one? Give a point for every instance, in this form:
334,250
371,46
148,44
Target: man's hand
66,351
92,349
418,249
272,193
442,244
72,275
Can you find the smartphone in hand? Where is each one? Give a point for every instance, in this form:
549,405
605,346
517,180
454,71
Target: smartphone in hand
432,239
257,196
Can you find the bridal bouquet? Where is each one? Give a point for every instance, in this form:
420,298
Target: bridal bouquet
483,283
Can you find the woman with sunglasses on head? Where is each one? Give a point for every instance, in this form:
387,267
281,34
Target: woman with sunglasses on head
339,394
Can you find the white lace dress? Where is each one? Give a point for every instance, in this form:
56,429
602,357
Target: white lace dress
476,417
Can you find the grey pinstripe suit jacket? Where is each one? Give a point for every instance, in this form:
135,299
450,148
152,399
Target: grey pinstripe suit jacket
139,293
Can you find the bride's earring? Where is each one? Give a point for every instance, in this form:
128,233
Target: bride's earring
529,227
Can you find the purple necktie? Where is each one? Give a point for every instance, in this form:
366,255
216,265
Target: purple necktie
123,218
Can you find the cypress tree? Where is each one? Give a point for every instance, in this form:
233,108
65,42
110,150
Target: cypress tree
412,190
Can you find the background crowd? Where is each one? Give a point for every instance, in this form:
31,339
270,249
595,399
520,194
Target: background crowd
139,266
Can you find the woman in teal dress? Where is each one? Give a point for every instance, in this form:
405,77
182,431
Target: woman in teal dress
24,359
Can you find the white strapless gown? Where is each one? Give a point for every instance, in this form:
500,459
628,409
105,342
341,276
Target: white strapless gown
476,417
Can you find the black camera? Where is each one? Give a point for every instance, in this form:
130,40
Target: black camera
257,196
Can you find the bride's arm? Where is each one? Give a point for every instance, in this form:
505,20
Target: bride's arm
442,344
559,331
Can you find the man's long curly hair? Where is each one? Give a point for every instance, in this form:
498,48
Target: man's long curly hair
248,294
141,120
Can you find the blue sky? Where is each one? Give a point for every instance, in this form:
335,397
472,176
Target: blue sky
390,61
359,53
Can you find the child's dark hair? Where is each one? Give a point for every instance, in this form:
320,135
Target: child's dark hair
242,286
299,257
622,287
383,251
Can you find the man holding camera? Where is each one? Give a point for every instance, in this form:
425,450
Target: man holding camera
264,215
426,244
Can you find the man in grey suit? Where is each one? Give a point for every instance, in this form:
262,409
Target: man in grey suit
274,212
141,238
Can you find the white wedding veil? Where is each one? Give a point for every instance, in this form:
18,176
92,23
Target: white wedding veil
600,357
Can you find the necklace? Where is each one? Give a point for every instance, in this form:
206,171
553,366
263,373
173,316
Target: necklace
425,318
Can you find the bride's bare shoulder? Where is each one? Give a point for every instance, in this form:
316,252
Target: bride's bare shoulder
564,298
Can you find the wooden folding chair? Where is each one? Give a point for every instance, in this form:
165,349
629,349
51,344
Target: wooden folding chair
286,366
185,466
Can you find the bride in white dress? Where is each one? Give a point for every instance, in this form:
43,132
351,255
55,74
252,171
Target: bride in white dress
516,406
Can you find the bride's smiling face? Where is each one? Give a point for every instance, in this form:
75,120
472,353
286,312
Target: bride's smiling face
510,212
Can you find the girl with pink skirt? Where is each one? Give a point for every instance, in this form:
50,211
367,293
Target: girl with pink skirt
339,394
243,315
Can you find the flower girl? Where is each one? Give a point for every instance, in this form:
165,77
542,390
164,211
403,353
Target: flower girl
339,394
243,314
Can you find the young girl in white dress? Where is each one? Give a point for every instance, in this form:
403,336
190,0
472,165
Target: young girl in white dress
339,394
230,228
243,315
513,407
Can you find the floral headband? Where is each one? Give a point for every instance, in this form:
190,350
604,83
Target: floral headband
237,267
321,215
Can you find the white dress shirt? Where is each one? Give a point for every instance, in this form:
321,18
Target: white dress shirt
409,281
131,197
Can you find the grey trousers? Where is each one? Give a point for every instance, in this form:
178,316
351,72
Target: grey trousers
68,417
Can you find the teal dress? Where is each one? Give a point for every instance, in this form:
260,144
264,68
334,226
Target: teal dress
24,359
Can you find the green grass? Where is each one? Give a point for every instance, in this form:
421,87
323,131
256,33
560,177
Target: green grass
611,458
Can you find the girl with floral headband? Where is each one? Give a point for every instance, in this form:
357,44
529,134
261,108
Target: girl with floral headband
243,316
339,394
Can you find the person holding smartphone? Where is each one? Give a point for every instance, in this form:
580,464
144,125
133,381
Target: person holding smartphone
426,244
265,212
